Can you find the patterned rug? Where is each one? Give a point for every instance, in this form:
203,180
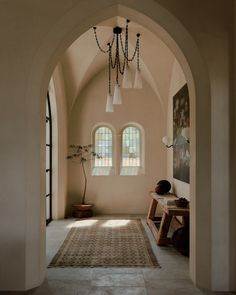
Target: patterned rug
107,243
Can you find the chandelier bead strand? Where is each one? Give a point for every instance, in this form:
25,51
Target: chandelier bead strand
120,63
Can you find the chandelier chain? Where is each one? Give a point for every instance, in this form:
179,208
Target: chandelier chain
119,58
98,44
117,62
109,70
138,52
126,54
113,65
121,70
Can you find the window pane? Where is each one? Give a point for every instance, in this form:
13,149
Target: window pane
47,208
103,147
47,183
47,132
48,157
131,147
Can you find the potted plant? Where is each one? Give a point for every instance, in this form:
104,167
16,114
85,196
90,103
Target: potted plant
81,154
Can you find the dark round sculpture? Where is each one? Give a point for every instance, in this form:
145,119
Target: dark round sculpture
180,240
163,187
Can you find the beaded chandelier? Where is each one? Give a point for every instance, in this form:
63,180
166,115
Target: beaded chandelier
118,60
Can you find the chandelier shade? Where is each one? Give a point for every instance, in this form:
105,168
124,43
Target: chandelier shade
119,59
138,83
109,105
117,95
127,78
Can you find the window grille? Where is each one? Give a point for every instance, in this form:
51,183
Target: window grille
131,141
103,147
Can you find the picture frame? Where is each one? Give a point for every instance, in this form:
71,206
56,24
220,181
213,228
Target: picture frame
181,120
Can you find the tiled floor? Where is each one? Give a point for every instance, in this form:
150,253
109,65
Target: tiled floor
171,278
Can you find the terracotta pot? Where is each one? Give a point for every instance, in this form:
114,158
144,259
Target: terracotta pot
82,210
82,207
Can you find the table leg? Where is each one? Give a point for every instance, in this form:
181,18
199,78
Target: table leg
151,218
186,221
162,239
152,209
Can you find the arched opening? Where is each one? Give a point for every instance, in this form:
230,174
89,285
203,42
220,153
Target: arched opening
162,23
189,78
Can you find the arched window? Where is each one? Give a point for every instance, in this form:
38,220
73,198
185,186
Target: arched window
103,143
131,161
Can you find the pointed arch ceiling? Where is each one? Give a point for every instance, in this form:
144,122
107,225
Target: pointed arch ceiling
83,60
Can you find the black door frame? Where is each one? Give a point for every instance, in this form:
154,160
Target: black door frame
49,169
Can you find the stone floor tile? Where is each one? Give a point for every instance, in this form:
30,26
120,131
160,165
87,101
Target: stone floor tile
130,291
217,293
131,280
171,287
172,258
59,287
166,273
171,284
16,292
151,291
95,290
116,270
69,273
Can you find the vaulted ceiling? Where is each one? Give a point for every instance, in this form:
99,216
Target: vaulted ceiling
83,60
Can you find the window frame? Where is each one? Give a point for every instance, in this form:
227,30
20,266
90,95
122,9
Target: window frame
49,152
137,170
103,170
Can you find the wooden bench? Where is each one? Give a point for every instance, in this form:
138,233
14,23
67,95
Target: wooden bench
160,226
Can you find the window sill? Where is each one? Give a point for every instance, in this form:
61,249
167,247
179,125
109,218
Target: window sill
131,171
102,171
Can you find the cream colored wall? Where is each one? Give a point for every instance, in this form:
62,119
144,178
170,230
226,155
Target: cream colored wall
34,36
116,193
60,147
215,30
177,81
233,169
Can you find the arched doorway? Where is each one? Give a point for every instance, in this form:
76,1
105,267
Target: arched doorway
162,23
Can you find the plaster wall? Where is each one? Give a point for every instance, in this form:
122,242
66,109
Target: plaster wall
34,35
213,35
233,163
116,194
60,146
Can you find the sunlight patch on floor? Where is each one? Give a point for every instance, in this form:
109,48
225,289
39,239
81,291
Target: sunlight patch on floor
116,222
83,223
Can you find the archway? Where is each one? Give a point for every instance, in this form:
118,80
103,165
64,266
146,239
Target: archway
162,23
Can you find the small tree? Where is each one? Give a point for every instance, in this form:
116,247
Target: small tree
82,154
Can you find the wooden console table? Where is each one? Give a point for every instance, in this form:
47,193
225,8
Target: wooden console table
168,211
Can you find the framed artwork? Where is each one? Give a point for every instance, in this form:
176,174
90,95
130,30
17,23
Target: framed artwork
181,155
